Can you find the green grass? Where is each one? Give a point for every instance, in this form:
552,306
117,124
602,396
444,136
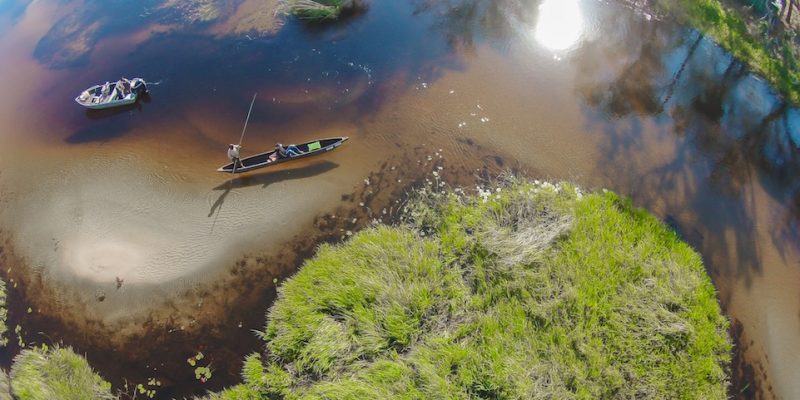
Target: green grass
774,58
44,373
5,386
535,291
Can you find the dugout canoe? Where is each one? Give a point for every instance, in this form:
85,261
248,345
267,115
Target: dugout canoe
270,158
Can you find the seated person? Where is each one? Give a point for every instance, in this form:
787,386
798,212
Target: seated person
288,151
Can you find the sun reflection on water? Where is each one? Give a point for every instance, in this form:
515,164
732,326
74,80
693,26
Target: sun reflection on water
560,24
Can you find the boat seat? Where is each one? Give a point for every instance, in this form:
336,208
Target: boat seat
314,146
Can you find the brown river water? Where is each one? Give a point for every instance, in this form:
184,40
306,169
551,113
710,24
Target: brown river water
121,240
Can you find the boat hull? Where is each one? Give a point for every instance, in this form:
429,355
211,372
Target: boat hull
94,98
268,159
112,104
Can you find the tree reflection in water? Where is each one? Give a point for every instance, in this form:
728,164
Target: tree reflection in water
733,128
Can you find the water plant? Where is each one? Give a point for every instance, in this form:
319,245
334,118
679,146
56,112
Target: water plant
3,314
527,290
44,373
203,374
318,9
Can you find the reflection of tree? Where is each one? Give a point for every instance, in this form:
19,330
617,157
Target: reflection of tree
465,22
72,38
732,129
728,130
638,89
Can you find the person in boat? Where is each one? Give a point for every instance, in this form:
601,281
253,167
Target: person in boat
288,151
122,87
105,93
126,85
233,154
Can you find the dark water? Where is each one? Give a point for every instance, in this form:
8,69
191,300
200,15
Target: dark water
589,91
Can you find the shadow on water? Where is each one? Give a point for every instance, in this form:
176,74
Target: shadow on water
108,124
110,112
267,178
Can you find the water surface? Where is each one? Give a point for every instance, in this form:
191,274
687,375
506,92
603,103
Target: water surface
581,90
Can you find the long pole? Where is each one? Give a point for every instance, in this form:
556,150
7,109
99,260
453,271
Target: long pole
248,117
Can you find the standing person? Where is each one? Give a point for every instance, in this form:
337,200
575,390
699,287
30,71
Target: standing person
233,154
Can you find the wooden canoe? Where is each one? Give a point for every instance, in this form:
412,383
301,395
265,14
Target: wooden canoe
269,158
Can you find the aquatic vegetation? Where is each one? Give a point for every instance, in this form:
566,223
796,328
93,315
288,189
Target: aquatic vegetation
527,290
202,374
20,339
318,9
3,314
773,56
195,358
5,386
311,9
56,373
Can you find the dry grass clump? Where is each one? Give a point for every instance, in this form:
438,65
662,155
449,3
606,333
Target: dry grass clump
520,231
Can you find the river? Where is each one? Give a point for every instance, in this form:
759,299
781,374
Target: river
127,245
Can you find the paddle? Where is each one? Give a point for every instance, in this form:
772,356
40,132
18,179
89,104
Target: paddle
233,170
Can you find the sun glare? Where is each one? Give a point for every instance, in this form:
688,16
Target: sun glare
560,24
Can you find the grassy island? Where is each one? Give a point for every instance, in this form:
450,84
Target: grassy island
319,9
528,290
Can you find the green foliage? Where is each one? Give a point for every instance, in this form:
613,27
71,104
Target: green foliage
56,373
772,56
610,304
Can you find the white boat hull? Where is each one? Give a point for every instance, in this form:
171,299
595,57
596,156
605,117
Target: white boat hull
100,97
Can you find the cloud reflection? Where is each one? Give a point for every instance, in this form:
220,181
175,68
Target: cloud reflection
560,25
